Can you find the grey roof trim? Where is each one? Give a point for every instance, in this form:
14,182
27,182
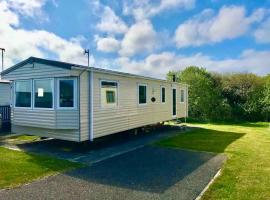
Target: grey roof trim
38,60
107,71
70,66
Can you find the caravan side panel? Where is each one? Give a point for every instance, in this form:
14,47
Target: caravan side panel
63,134
128,114
84,106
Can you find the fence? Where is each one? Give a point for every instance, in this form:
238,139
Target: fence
4,118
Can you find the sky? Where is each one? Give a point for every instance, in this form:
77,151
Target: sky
146,37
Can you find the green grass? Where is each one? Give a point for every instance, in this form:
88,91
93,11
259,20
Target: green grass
17,168
246,174
25,138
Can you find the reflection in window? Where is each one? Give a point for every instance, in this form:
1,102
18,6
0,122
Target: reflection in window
23,94
66,93
110,96
109,91
163,93
142,94
182,97
43,93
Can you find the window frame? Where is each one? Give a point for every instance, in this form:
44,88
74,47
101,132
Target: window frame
109,105
184,96
161,94
31,90
138,94
75,94
33,93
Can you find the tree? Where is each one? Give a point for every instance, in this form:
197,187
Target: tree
266,98
244,92
205,99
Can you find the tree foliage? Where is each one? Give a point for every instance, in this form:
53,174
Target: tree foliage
266,98
205,100
212,96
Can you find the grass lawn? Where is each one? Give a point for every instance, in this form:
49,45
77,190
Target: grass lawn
246,174
17,167
25,138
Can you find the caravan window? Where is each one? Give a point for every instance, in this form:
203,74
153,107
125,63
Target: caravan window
109,92
182,97
43,89
163,95
142,94
67,93
23,94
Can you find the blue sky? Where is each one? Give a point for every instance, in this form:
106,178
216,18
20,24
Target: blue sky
140,36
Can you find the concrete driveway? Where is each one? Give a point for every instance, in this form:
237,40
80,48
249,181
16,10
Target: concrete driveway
146,172
91,152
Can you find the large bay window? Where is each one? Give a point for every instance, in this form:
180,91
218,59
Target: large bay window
23,94
40,93
109,94
67,93
43,89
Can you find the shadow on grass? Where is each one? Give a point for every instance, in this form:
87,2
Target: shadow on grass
201,139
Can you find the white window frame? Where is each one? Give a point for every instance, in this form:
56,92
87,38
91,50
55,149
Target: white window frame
138,94
33,93
75,92
161,94
117,95
14,94
183,95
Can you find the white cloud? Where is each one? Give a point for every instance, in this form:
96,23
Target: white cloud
108,44
229,23
111,23
158,65
142,9
27,7
141,37
21,44
7,17
262,34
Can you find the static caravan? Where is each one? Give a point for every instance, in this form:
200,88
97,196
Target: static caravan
4,93
78,103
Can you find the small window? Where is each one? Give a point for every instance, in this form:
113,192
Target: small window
109,91
182,97
163,95
110,96
67,93
43,93
142,94
23,94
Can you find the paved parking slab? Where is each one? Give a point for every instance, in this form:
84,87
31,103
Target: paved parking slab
100,149
145,173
